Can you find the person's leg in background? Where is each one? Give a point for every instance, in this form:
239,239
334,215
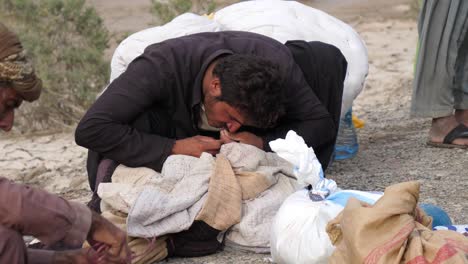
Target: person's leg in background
460,92
442,24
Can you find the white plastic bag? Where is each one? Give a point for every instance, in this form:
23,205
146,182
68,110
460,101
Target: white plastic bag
293,148
307,168
299,229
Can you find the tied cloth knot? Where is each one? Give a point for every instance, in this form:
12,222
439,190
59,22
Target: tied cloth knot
15,68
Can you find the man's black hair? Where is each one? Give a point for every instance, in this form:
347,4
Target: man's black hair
253,85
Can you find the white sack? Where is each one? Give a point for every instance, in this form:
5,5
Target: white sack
290,20
299,234
135,44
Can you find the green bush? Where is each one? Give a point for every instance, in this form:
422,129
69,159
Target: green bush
66,41
166,10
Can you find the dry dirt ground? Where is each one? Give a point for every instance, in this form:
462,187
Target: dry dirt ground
392,145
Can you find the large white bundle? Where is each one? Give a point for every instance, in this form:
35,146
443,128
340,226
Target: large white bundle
281,20
290,20
135,44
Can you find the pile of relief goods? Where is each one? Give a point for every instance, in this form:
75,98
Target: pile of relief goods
324,224
260,201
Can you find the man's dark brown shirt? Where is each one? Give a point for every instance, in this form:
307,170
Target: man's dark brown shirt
168,76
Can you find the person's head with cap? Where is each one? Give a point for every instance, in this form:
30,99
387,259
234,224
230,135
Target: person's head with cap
18,81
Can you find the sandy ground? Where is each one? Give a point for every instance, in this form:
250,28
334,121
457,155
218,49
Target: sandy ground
392,146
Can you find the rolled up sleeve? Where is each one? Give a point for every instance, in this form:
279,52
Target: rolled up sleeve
34,212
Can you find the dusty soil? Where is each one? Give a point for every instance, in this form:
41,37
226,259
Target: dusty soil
392,145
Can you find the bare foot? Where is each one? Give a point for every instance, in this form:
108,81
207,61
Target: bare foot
462,116
441,127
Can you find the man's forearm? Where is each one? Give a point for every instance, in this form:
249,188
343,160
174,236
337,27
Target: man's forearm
40,256
49,218
123,144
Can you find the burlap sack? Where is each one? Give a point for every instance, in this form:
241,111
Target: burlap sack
227,189
393,231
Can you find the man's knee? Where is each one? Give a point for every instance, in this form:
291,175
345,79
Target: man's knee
12,248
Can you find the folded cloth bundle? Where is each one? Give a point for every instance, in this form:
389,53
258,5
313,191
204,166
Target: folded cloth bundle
240,190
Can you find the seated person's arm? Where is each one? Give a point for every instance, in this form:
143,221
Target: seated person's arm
52,219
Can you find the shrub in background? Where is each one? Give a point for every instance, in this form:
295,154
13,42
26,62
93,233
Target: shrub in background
66,40
166,10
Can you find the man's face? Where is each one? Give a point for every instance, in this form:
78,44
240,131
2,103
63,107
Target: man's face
218,113
9,101
222,115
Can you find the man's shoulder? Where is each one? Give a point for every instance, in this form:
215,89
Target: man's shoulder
220,35
244,35
201,46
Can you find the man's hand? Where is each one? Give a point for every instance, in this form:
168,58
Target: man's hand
195,146
242,137
82,256
108,240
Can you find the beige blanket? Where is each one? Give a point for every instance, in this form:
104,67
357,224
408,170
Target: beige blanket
242,188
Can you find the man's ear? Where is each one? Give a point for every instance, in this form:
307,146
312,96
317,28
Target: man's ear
215,87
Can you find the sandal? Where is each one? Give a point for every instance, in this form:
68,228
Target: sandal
461,131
